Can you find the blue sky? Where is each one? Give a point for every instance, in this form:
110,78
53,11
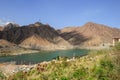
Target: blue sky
61,13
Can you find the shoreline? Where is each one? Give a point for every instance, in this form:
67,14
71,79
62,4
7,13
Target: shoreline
17,67
20,51
10,68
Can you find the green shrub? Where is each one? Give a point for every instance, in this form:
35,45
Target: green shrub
64,78
117,46
2,76
65,64
19,76
103,70
80,73
106,64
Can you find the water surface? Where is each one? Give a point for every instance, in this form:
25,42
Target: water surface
34,58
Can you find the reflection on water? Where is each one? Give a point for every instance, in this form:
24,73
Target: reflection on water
42,56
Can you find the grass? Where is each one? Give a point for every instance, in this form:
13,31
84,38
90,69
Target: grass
98,65
2,76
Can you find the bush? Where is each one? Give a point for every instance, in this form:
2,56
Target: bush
2,76
80,73
64,78
105,70
117,46
106,64
19,76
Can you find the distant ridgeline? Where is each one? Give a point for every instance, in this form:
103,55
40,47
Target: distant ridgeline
44,37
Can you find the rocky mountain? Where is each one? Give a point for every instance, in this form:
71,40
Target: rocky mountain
90,34
4,44
37,36
10,26
43,36
1,28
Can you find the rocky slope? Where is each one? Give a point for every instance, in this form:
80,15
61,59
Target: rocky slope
37,36
1,28
90,34
4,43
43,36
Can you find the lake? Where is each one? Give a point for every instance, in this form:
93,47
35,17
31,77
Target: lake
34,58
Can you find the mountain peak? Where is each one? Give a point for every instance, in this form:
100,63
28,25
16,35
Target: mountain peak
90,24
38,24
10,25
95,34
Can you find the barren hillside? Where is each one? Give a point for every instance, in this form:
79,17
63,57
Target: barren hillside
91,34
38,36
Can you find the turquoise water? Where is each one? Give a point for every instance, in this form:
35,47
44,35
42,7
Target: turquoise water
34,58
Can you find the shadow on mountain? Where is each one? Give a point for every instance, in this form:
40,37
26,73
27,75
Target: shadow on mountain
74,38
18,34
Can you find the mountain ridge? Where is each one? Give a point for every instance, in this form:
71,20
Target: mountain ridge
43,36
96,33
37,35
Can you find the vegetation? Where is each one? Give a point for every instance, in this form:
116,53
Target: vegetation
2,76
98,65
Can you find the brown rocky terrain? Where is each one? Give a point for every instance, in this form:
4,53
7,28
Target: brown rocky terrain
4,43
90,34
1,28
44,37
37,36
10,26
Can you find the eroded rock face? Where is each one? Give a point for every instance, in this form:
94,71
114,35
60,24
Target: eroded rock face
36,35
18,34
10,26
